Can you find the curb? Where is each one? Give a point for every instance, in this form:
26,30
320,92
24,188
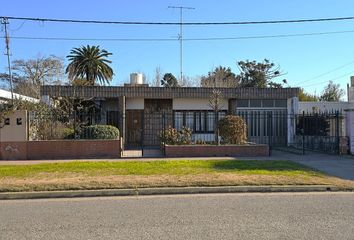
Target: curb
166,191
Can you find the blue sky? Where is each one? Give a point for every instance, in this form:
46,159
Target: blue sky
302,58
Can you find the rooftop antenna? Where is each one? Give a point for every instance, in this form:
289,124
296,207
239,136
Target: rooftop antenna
5,21
180,36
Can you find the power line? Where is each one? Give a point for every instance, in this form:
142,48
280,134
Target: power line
181,23
95,39
270,36
185,39
328,72
344,75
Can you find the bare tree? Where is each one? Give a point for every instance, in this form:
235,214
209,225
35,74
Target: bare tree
30,74
216,105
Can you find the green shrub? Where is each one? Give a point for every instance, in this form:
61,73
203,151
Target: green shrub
233,129
200,142
172,136
68,133
99,132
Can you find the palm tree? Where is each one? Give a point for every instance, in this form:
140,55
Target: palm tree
90,63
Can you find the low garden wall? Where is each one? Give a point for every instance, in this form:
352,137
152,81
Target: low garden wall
60,149
216,151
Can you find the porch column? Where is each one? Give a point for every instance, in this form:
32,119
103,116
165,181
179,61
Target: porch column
232,107
121,107
293,108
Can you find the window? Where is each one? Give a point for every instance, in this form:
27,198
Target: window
261,103
210,121
255,103
222,115
242,103
190,120
281,103
268,103
178,120
198,121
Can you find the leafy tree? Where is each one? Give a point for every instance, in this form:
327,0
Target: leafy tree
90,63
220,77
307,97
169,80
258,74
29,75
80,82
332,92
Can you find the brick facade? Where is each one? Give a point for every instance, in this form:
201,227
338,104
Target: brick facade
60,149
165,93
216,151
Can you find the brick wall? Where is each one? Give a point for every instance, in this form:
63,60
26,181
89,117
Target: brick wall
163,93
216,151
13,150
60,149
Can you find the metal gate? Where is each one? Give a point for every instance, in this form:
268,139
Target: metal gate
323,132
266,126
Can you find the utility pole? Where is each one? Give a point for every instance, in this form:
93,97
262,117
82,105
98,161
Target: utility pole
5,21
180,36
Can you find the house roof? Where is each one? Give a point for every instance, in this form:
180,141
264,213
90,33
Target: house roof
165,93
6,95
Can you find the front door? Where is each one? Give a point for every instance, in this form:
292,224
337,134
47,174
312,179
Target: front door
134,121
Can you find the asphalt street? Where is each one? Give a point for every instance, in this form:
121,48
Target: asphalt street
209,216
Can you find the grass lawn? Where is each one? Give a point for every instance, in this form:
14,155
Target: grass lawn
100,175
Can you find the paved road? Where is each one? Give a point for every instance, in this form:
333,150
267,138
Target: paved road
224,216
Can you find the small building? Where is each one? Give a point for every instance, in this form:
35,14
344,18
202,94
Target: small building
14,127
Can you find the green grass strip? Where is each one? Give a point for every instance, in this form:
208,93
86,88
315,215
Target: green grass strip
176,167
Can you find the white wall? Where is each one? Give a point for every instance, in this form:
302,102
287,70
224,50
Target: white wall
4,94
311,107
15,132
195,104
134,103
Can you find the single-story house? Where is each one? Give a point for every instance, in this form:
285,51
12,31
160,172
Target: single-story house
141,112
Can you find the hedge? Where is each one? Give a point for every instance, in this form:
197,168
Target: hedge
99,132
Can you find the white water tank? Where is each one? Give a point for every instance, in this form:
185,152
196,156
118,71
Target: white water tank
136,78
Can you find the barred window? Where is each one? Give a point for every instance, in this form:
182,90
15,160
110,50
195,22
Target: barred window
197,121
190,120
178,120
210,121
200,121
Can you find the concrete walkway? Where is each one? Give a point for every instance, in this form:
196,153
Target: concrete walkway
339,166
336,165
